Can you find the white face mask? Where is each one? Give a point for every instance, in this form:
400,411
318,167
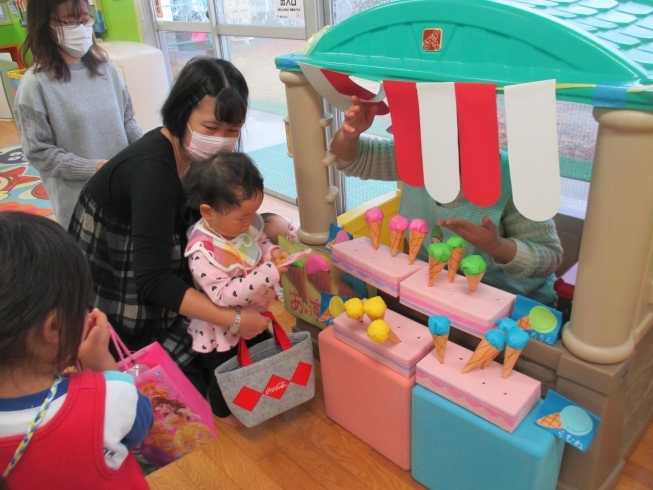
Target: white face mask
76,41
202,146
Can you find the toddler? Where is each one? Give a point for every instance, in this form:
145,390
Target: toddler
276,226
48,419
230,256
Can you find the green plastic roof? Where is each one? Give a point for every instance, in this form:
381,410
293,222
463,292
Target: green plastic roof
595,42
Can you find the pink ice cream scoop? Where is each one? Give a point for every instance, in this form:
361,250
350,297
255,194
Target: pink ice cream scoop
418,226
398,223
342,236
316,263
318,273
373,215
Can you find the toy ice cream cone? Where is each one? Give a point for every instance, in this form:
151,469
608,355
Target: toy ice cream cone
341,236
457,251
435,268
437,236
398,225
439,327
375,308
487,362
297,278
392,337
506,325
516,340
474,282
326,316
319,273
474,267
551,421
380,331
491,345
374,219
418,230
525,323
439,254
354,309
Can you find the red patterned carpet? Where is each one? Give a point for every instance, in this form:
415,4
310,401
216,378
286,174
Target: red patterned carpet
20,185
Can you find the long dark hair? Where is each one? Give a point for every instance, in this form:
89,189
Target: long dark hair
201,77
42,43
222,181
43,272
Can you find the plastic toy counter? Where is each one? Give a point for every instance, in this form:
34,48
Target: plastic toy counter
599,53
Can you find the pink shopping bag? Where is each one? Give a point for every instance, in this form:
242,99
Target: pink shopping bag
183,420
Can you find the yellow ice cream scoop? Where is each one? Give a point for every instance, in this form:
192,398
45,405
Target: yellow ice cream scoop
375,308
379,331
354,308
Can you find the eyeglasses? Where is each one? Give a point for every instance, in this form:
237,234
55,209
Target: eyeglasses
75,23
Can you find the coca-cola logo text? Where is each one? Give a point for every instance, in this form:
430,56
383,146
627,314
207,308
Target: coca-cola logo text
279,386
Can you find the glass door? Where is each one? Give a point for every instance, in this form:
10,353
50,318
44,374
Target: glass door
249,33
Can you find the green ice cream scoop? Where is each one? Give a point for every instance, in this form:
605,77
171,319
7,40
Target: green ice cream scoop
439,251
474,265
457,242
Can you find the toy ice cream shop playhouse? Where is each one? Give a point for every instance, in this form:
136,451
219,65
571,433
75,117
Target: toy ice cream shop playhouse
450,383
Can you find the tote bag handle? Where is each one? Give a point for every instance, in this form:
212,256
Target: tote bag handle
280,338
123,351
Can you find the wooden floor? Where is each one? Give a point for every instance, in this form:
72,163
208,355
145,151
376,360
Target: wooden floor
8,134
303,449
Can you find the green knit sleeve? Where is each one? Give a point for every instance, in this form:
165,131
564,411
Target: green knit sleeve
376,161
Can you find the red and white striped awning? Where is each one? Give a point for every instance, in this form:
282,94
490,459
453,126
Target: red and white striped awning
447,138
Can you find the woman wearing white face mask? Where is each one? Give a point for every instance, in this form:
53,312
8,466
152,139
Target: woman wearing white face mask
131,219
72,109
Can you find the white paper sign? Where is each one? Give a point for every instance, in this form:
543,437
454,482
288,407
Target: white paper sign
439,126
533,148
289,9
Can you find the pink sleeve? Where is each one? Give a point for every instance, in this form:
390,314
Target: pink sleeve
225,290
266,246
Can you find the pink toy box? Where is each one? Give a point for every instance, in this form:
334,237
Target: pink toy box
503,402
416,341
474,313
368,399
375,267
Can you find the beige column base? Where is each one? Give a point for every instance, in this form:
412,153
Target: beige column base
612,295
595,354
312,238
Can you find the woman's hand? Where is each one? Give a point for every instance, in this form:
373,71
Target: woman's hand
252,323
94,351
358,119
485,237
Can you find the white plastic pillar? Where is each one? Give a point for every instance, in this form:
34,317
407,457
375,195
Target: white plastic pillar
614,269
315,199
